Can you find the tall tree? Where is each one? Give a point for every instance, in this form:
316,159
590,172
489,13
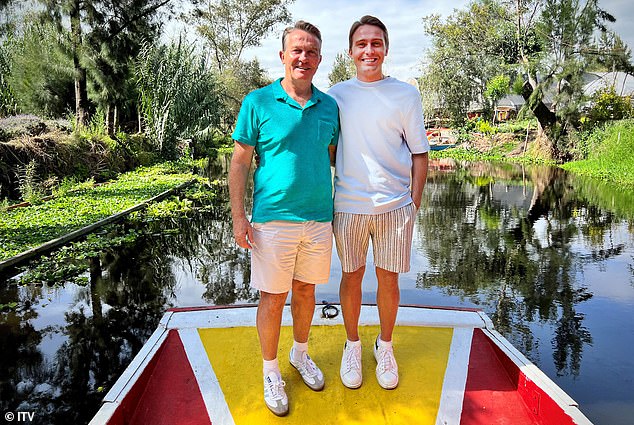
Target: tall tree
105,36
231,26
564,30
40,72
496,88
467,50
610,53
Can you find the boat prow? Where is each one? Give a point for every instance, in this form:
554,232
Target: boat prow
203,366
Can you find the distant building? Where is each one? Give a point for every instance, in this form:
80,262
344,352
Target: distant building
622,82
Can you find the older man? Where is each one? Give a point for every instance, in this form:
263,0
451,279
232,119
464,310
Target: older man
293,128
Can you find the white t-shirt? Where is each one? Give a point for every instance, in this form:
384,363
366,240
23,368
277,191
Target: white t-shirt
381,127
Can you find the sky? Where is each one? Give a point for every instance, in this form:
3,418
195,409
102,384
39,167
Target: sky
403,19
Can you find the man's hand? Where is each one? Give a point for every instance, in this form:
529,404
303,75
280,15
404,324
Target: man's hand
243,232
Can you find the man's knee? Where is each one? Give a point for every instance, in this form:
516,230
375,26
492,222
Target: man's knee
303,289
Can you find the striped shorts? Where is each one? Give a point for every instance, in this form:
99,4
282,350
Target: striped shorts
391,235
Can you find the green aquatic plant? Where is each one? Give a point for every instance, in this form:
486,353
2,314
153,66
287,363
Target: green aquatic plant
25,228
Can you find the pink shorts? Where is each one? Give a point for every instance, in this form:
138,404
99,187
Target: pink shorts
284,251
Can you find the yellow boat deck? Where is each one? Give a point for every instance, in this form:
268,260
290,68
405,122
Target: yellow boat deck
422,355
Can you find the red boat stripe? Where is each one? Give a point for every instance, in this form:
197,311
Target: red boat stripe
185,405
498,392
210,389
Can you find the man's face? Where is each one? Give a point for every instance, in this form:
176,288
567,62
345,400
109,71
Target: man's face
301,55
368,52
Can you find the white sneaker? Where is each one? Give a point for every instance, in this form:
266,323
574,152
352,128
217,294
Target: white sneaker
274,394
311,374
386,367
350,371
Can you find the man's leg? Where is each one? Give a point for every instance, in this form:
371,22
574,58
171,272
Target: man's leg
268,322
387,300
352,234
302,309
392,243
350,298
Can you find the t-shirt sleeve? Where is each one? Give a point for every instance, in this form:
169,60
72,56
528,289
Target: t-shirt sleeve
415,134
247,129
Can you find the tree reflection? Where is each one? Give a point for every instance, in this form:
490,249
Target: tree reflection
498,235
21,357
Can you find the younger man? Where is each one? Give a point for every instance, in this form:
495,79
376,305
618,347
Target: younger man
381,169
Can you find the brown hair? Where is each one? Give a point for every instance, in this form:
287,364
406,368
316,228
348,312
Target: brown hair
368,20
304,26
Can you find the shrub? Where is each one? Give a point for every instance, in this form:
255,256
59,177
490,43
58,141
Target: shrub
178,95
608,105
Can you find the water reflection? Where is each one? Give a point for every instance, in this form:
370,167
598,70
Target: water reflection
513,232
541,252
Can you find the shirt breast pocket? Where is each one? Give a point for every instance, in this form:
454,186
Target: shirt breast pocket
325,132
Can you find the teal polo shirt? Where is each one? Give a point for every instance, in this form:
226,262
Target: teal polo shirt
292,181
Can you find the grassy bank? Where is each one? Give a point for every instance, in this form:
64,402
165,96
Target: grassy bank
27,227
611,154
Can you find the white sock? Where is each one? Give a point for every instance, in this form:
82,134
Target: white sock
351,344
298,349
384,344
269,366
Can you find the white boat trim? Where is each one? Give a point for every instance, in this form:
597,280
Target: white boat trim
452,395
213,396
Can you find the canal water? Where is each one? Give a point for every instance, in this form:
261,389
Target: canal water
548,256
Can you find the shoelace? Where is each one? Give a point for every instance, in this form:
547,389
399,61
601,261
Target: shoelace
352,358
309,366
386,360
275,388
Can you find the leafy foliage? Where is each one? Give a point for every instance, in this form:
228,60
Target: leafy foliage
235,82
24,228
8,104
228,27
104,36
497,87
342,69
178,95
608,105
609,154
30,186
231,26
41,76
464,57
610,53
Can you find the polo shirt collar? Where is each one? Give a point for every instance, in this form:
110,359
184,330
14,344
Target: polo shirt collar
280,94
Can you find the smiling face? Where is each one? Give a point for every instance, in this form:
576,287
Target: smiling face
301,56
368,52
